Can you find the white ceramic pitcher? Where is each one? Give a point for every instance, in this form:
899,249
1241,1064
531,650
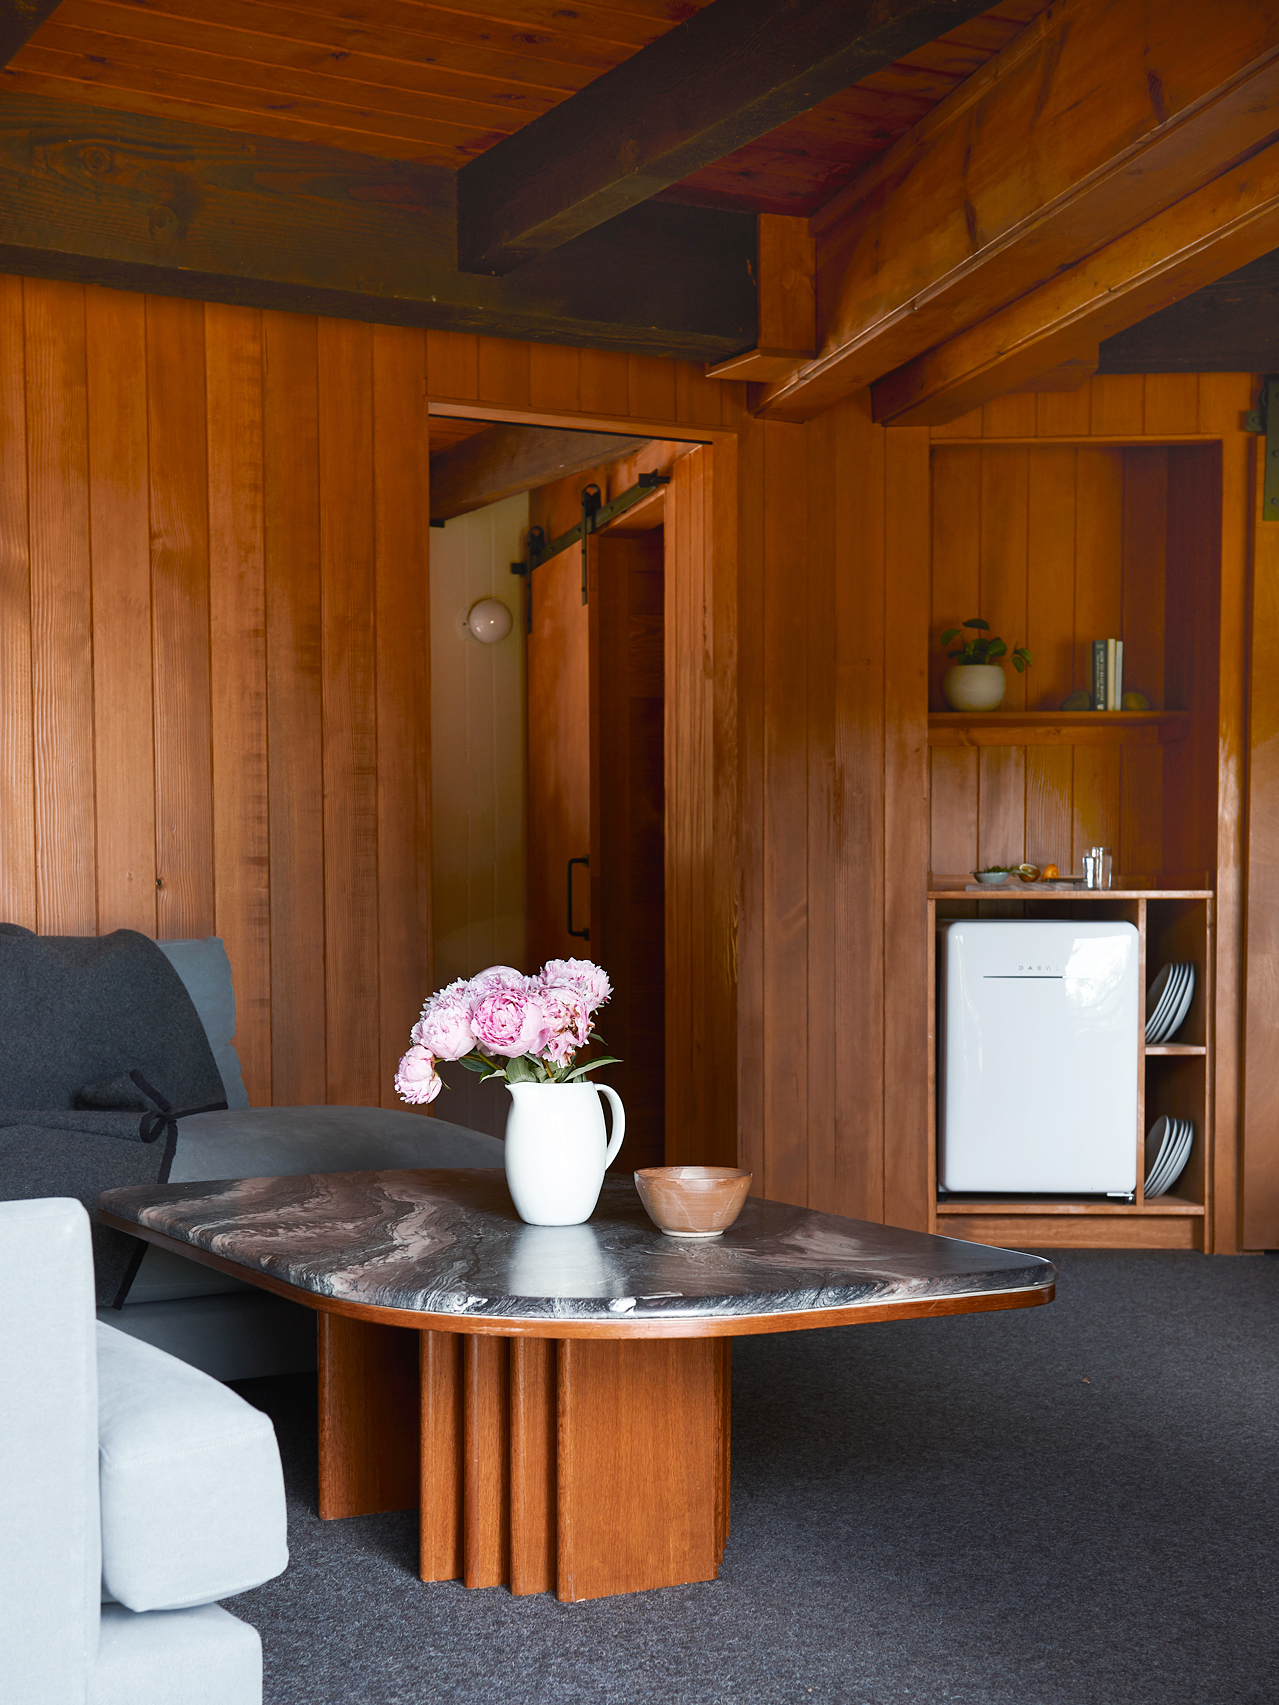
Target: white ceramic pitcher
557,1150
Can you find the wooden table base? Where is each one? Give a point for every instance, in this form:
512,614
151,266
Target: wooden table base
582,1466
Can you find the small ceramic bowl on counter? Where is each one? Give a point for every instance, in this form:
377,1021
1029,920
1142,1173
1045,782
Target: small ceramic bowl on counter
693,1201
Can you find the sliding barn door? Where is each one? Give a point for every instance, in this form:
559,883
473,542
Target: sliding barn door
596,801
559,761
627,824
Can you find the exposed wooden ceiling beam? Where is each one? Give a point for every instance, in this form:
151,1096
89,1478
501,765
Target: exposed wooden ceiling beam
185,210
1235,218
19,21
731,73
510,459
1095,118
1230,326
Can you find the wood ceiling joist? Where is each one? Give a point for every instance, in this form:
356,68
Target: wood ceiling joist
1095,118
185,210
505,460
730,74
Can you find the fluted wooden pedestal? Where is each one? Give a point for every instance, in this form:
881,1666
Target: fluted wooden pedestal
580,1466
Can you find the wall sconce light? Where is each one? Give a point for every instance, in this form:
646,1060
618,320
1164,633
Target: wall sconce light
489,621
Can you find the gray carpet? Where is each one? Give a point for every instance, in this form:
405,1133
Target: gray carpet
1072,1505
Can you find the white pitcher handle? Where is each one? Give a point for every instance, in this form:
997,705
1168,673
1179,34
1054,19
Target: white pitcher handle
619,1123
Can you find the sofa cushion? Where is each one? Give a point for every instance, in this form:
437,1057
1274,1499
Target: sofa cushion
205,971
281,1142
192,1492
204,1656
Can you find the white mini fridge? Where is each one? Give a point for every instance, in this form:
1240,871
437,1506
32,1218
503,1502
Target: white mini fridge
1037,1067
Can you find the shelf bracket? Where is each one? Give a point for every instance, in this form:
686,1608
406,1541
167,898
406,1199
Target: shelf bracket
1265,419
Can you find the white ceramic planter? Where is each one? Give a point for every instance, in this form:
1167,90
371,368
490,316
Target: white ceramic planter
557,1150
974,686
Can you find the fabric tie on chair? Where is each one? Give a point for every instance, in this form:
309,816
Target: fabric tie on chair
91,1026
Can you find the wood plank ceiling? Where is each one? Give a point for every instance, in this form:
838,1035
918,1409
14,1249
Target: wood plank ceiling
405,80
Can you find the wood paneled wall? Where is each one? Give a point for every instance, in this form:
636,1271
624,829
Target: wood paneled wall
702,877
214,694
214,612
836,535
833,570
1055,545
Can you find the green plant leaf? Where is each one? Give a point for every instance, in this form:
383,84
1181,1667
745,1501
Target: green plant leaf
501,1077
976,622
605,1060
996,648
474,1063
950,633
521,1070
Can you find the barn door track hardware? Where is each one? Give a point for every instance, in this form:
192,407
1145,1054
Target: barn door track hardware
596,514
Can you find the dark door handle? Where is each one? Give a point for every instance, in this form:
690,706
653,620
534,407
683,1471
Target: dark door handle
585,934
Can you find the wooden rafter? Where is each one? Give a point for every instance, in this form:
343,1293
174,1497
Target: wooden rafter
729,74
505,460
1231,221
185,210
1095,119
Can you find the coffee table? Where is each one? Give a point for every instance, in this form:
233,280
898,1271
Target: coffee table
554,1400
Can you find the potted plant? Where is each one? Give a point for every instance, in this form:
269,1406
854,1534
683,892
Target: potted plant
526,1031
976,681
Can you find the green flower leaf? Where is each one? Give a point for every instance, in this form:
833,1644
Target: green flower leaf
605,1060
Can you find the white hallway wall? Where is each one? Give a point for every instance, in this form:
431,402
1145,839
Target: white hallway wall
478,791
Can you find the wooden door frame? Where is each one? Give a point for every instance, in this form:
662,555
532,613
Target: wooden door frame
721,1142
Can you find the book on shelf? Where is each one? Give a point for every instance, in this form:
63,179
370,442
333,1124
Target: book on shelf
1107,674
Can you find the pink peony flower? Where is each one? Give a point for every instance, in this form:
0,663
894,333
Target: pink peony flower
444,1028
496,977
416,1081
582,975
568,1018
510,1021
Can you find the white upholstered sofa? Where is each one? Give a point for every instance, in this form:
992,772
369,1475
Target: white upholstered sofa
135,1493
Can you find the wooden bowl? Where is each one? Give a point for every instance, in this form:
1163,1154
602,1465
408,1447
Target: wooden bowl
693,1201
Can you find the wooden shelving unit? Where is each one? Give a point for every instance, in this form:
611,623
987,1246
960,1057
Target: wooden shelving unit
1173,1077
1057,727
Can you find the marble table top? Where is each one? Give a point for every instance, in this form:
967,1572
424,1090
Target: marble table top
451,1243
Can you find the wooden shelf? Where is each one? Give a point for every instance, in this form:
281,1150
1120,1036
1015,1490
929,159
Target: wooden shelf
1057,727
1053,1205
962,887
1175,1048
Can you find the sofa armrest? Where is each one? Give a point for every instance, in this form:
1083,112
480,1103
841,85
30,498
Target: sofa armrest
50,1563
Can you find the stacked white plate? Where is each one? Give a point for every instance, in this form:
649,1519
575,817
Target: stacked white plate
1168,1001
1167,1151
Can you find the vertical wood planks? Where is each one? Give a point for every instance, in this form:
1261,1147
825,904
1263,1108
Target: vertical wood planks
176,413
751,1035
402,576
347,604
291,520
61,601
237,649
119,542
821,1092
906,554
786,877
859,876
17,777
